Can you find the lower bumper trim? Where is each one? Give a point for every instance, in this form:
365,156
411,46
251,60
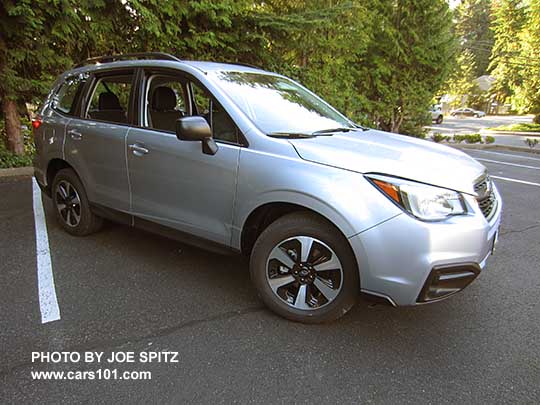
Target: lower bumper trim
447,280
378,297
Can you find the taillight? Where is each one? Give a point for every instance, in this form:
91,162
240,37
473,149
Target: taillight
36,123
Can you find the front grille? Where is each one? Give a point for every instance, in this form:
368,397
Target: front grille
481,187
486,197
487,205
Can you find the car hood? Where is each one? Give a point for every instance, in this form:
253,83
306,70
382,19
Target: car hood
392,154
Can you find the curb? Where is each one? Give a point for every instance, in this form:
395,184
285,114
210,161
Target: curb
500,147
17,171
490,132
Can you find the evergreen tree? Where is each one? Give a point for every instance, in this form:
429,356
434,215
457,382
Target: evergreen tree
36,39
407,61
506,65
378,61
527,94
462,83
473,19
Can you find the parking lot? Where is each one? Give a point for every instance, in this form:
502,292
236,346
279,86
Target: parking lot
126,290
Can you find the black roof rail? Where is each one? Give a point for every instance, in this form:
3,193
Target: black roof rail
126,56
244,64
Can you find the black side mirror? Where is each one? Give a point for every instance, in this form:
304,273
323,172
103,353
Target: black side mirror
196,129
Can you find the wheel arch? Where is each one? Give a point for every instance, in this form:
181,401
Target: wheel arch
263,215
53,167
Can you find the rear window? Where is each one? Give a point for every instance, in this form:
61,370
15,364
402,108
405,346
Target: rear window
66,98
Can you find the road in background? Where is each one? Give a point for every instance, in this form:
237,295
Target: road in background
126,290
469,125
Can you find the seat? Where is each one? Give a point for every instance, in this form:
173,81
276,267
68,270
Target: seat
109,109
163,112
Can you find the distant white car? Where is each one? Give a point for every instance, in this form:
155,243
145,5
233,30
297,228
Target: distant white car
467,112
436,114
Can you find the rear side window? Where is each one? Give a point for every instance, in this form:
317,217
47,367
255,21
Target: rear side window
65,100
110,99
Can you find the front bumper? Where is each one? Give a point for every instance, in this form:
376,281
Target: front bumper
410,262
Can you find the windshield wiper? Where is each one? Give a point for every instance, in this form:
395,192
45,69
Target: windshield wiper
290,135
339,129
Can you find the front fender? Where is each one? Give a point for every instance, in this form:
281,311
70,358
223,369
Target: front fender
344,197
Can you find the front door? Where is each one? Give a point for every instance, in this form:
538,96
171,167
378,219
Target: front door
173,183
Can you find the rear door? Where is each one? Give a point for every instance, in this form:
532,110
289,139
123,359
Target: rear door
173,183
95,141
59,108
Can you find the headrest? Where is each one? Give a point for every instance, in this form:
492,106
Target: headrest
163,99
108,101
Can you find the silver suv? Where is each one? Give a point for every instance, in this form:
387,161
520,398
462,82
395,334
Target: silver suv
234,158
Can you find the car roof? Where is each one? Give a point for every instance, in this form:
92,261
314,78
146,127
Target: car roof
202,66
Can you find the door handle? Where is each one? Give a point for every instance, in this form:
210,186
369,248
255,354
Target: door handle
75,135
138,149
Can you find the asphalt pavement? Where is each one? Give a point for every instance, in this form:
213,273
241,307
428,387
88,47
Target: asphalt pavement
468,125
123,290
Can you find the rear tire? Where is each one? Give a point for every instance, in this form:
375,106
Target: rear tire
304,269
439,120
71,205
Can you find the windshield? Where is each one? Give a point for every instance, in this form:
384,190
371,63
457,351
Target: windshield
279,105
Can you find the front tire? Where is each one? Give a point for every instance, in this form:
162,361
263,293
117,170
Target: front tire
304,269
439,120
71,205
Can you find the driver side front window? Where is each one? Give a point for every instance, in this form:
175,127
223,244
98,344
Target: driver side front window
203,105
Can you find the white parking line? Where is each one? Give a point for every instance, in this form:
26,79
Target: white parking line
506,154
48,304
508,164
530,183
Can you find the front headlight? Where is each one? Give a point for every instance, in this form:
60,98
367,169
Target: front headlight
428,203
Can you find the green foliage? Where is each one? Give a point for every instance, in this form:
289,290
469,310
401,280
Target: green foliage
531,143
380,62
438,137
473,19
473,138
510,60
468,138
478,99
523,127
407,60
489,139
414,128
37,39
461,84
527,92
458,138
9,159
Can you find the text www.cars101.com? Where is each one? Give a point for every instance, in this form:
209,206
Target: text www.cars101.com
100,374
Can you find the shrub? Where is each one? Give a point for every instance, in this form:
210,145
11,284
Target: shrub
408,128
489,139
459,138
9,159
438,137
531,143
536,119
473,138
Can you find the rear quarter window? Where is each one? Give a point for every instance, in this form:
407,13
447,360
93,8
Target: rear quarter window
68,94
